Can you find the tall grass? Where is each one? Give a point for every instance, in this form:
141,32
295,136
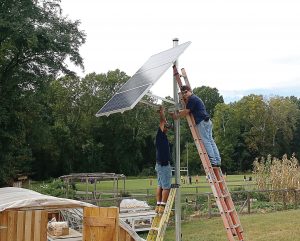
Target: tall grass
278,174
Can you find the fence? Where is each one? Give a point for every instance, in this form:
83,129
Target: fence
246,202
196,203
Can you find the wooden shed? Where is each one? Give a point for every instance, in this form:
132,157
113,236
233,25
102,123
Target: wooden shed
24,215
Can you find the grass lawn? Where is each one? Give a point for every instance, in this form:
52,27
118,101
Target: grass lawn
278,226
140,185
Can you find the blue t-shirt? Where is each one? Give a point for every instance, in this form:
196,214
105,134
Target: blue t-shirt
163,153
197,107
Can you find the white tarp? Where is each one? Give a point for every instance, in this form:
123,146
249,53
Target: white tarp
133,203
14,197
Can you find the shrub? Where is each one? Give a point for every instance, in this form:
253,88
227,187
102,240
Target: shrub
55,188
260,196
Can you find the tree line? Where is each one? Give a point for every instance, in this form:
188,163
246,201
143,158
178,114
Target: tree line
47,114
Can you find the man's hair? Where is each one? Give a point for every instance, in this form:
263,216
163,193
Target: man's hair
185,87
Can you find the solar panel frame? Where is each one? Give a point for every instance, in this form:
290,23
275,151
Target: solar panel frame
142,91
142,81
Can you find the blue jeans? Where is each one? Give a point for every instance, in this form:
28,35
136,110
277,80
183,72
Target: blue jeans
164,176
205,131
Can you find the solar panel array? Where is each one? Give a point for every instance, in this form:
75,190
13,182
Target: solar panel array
140,83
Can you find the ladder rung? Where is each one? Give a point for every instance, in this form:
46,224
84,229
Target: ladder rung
226,195
230,210
175,185
235,226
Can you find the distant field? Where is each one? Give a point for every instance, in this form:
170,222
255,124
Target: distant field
278,226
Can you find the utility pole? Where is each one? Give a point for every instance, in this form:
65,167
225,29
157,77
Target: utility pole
187,158
177,156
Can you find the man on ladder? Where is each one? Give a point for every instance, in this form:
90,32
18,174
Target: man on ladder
163,159
201,130
166,191
196,106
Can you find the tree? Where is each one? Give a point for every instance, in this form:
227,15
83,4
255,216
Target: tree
295,144
210,97
35,41
227,135
254,127
285,115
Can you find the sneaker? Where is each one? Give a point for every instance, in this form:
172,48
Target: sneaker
157,208
215,164
161,209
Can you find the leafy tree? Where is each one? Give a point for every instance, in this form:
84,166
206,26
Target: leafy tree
35,41
227,135
285,115
295,143
210,97
254,127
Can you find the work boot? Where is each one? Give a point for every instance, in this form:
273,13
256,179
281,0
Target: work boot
157,208
172,213
161,209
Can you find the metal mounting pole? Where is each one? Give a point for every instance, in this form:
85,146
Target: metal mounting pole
177,157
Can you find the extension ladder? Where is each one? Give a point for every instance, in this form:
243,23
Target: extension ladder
214,175
160,221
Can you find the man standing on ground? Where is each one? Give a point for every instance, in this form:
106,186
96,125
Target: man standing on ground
163,159
195,106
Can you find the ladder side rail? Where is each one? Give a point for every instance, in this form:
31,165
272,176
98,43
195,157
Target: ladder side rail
230,219
233,219
225,215
234,215
166,215
184,75
160,221
206,163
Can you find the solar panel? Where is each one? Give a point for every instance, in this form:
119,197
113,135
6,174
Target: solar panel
124,100
140,83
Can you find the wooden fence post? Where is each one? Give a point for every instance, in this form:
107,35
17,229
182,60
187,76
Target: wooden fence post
209,206
296,199
248,202
284,199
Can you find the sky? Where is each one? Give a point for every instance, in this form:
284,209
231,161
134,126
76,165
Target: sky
239,47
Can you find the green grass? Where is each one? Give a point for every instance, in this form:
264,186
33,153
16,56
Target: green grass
276,226
141,185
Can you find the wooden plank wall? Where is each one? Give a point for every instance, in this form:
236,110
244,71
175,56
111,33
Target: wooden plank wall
124,235
23,225
100,224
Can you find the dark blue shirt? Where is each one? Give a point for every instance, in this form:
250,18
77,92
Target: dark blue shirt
163,153
197,108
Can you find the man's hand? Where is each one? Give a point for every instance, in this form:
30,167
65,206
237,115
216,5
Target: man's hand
174,115
161,109
181,113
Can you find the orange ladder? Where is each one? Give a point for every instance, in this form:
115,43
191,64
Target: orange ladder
214,176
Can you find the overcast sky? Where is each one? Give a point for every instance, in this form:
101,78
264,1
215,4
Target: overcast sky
238,47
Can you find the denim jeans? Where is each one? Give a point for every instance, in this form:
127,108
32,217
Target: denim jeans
164,176
205,130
